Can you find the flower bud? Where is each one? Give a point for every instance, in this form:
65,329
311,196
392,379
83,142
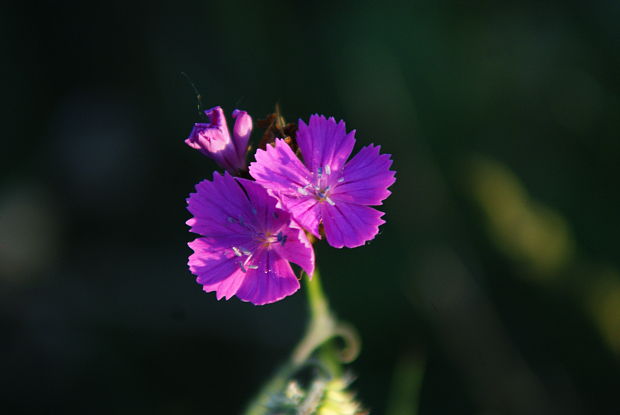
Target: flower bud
214,141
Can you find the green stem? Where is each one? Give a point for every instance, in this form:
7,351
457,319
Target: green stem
317,302
321,323
320,329
324,324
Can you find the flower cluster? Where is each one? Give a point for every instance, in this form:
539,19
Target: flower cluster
252,229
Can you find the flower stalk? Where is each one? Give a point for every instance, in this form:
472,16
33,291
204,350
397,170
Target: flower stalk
322,327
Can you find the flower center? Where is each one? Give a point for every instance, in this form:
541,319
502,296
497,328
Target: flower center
265,240
322,185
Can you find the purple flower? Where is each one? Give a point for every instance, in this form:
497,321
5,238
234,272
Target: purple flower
325,188
246,242
213,139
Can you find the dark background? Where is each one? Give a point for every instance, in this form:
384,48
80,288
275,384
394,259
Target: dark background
495,277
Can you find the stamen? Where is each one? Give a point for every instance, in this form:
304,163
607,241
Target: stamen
281,238
246,252
328,170
331,202
236,250
302,191
319,171
242,266
252,266
340,180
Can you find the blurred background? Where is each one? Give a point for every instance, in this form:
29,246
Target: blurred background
493,288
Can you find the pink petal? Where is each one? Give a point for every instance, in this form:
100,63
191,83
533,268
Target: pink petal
266,217
305,210
277,168
271,281
297,249
226,288
367,177
350,225
217,207
216,269
324,143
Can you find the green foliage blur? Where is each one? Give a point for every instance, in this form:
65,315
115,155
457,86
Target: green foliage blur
493,288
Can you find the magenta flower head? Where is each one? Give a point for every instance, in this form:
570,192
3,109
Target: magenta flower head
325,188
246,242
213,138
